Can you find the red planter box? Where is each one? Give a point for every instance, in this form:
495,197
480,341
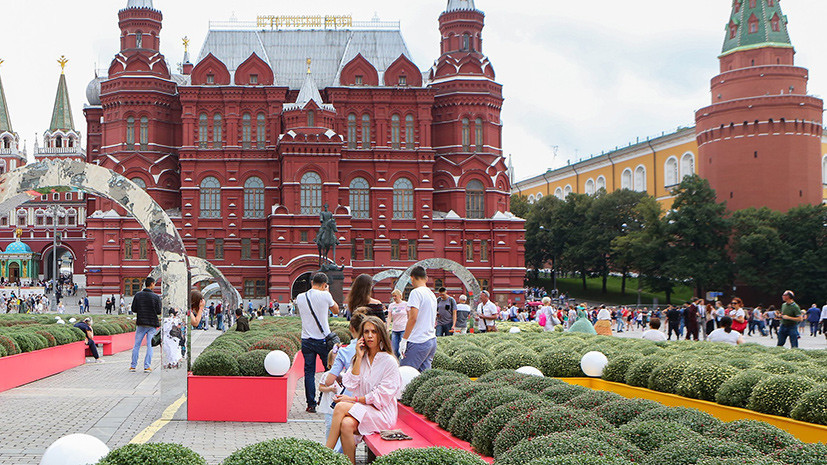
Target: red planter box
207,396
116,343
20,369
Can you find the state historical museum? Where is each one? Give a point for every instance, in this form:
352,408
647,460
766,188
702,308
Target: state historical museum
276,119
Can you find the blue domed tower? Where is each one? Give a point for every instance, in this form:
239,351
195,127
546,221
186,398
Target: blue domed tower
18,263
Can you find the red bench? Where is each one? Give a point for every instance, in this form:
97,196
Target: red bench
425,434
103,349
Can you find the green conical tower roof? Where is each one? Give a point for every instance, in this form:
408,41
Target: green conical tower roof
62,113
753,26
5,121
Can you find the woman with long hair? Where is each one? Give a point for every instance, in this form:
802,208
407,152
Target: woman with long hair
374,381
360,295
738,315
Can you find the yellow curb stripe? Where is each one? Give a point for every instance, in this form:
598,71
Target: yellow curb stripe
144,436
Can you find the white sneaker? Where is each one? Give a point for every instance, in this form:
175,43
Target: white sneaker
100,360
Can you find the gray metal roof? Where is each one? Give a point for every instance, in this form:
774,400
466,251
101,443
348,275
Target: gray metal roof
139,4
454,5
287,51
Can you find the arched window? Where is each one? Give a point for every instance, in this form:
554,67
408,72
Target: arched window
395,144
671,172
202,131
590,187
466,42
210,198
22,217
254,198
559,193
531,199
72,217
626,179
640,179
466,135
261,130
351,131
144,136
217,131
403,199
567,190
475,200
311,118
140,182
139,40
601,183
539,196
359,198
478,134
824,170
365,131
130,133
409,132
2,166
687,165
246,130
40,217
775,23
311,194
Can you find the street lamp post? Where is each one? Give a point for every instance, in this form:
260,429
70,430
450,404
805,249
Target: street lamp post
56,211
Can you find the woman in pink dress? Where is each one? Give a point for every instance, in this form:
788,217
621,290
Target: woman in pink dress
374,380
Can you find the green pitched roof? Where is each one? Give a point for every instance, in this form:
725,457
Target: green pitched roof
62,113
764,36
5,121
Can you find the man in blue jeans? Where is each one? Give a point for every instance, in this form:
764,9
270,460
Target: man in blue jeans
418,345
791,316
313,307
147,305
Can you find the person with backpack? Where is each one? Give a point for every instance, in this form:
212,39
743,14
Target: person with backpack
317,340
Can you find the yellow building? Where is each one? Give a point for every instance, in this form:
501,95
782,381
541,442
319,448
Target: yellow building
655,166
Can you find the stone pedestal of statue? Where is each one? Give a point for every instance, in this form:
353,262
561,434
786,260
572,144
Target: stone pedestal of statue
336,279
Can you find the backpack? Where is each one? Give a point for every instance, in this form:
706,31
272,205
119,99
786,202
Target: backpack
542,319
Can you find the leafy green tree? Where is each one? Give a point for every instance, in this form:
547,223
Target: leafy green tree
761,256
698,231
520,206
804,230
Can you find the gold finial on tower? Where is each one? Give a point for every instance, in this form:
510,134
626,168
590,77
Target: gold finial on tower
308,65
62,61
18,233
186,41
2,61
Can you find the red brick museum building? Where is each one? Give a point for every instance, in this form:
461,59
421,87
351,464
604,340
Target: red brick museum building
276,119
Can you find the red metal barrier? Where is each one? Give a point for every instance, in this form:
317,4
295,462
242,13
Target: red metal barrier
20,369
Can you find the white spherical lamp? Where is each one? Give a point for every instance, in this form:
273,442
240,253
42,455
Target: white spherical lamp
593,364
531,371
514,330
72,320
277,363
408,374
60,322
75,449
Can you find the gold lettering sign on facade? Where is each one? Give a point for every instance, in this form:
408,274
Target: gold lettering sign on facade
318,21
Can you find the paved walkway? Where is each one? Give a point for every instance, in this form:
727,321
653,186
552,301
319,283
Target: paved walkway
108,402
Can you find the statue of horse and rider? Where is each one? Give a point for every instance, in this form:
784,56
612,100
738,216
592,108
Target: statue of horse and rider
327,240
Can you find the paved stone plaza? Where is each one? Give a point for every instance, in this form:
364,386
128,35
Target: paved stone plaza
108,402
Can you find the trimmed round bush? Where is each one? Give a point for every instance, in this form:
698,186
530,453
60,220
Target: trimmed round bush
778,395
438,397
688,451
430,456
223,345
742,363
817,374
446,411
560,363
651,434
562,393
579,459
9,344
473,410
152,454
502,376
420,399
764,437
252,363
777,367
411,388
473,363
694,419
701,380
556,445
812,406
441,361
666,376
487,429
536,385
803,454
275,343
735,391
638,372
591,399
516,358
50,340
343,333
542,421
26,343
3,351
215,363
737,461
621,411
286,451
615,371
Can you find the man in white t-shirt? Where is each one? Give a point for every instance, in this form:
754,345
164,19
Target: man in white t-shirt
654,333
487,313
463,311
313,307
418,345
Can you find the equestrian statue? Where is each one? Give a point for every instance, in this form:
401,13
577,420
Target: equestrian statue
326,240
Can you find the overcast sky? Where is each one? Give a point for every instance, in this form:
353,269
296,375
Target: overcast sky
582,76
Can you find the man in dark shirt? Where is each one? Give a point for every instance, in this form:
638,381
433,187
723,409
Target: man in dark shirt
446,313
147,305
242,324
674,317
86,327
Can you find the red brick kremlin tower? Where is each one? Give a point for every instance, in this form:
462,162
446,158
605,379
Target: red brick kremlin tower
760,140
275,120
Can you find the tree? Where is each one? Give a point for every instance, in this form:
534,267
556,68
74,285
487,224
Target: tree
761,256
520,206
698,231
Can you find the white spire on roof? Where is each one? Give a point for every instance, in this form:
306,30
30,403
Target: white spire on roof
139,4
454,5
308,93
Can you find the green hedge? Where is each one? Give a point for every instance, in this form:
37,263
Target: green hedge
430,456
152,454
286,451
